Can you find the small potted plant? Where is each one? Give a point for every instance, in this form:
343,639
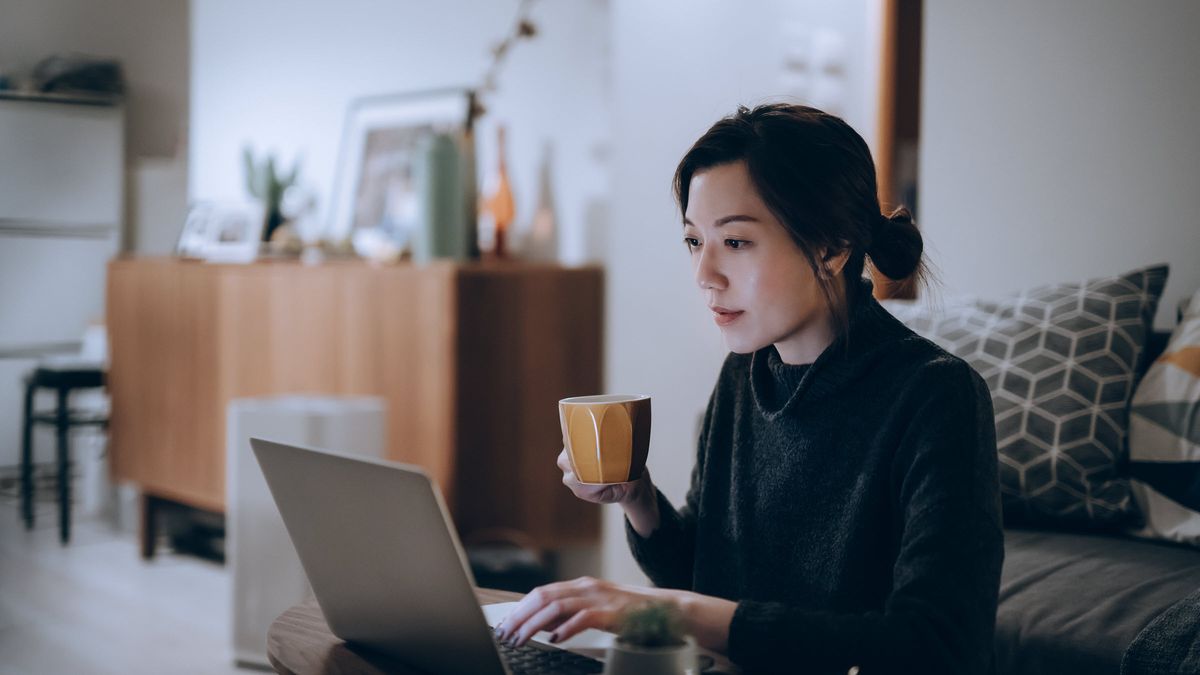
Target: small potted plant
651,641
267,184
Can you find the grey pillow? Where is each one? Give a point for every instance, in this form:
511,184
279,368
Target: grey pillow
1060,361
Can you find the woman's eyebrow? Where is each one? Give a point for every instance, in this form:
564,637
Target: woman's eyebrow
738,218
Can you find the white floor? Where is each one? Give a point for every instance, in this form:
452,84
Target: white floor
95,607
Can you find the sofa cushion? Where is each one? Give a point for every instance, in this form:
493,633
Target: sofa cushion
1060,361
1073,602
1164,436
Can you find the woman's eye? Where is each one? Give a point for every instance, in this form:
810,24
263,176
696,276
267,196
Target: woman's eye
736,243
691,242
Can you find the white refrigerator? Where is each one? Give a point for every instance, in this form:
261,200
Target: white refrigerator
62,182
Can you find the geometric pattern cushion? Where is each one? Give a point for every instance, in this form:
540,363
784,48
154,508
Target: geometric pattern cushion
1060,361
1164,436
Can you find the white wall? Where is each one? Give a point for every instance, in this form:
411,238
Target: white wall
678,66
280,75
1058,142
150,38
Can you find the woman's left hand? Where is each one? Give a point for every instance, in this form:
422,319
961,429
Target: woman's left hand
568,607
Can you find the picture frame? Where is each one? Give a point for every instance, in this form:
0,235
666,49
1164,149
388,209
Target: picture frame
222,231
375,183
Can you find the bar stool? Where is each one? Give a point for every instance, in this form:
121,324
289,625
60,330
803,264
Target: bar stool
63,377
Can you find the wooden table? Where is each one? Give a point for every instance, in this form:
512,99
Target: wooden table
299,643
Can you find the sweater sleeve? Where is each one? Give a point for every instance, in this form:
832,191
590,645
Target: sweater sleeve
940,615
668,555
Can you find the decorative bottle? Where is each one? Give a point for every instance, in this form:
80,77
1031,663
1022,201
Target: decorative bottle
500,204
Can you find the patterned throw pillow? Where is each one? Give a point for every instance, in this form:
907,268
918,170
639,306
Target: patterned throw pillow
1060,361
1164,436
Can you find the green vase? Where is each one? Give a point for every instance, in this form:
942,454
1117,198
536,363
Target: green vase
443,229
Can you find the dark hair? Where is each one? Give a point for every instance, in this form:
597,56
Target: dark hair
816,175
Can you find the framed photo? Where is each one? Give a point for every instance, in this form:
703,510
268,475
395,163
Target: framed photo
376,184
222,231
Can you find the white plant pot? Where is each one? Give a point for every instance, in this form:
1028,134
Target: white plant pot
626,659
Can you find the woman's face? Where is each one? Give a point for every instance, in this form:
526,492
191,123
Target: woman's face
754,278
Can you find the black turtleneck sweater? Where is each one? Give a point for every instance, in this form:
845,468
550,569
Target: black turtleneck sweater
850,507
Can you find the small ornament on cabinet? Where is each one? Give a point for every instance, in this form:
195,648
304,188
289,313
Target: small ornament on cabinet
541,241
497,207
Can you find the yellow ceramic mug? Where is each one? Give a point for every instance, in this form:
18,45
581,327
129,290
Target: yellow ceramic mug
607,437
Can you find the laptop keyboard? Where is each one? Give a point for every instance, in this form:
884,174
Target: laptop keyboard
537,659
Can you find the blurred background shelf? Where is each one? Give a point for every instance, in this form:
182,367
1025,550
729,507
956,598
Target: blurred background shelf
62,202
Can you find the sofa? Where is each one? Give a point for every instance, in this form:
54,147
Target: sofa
1077,602
1090,583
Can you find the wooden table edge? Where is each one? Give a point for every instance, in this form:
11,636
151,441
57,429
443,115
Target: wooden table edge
309,613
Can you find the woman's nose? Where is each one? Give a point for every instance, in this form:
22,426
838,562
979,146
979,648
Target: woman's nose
708,275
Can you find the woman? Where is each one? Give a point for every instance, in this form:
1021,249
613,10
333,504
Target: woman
844,507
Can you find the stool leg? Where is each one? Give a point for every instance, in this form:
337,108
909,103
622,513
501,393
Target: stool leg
27,457
64,466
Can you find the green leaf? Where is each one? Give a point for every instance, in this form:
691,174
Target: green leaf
291,176
252,182
654,624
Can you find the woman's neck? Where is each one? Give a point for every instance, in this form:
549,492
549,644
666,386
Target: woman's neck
806,345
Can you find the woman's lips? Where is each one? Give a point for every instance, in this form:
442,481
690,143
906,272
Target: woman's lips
724,317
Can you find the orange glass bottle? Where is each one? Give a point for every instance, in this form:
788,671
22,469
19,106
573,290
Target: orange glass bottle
500,205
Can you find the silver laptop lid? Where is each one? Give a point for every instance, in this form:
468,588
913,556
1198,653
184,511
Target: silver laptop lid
381,556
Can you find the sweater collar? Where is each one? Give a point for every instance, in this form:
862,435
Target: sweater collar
871,326
783,380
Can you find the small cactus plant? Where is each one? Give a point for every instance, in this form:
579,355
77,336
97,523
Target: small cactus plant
654,624
267,184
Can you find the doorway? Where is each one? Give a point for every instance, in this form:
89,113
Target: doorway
899,121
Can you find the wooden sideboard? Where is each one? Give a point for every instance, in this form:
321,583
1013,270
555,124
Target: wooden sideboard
471,360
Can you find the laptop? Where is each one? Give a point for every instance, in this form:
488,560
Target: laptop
386,566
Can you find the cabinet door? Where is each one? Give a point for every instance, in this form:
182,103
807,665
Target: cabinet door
61,165
51,288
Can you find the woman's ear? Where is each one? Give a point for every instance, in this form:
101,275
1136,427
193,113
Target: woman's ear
834,261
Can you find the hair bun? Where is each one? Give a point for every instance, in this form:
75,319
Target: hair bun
901,216
896,244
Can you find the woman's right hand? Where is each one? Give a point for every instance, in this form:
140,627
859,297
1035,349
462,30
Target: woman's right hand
613,493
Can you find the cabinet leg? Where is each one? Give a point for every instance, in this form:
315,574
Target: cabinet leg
148,532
